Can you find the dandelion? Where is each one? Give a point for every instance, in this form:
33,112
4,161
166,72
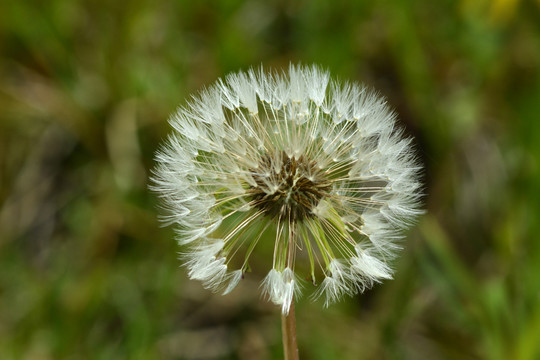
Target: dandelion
316,169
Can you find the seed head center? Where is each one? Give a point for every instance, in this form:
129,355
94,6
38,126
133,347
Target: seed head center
288,187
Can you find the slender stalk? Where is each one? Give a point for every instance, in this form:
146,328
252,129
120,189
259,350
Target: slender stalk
288,322
288,328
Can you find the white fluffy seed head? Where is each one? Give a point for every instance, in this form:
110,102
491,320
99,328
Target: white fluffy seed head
296,159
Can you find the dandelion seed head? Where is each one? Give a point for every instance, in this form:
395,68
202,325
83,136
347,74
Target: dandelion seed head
318,168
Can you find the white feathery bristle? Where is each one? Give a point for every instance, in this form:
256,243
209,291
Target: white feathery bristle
369,268
233,279
316,84
335,284
280,288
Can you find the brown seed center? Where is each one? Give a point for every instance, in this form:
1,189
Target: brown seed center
288,187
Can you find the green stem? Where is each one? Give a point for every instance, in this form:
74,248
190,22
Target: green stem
288,327
288,322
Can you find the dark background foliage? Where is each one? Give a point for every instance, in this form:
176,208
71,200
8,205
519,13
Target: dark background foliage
85,91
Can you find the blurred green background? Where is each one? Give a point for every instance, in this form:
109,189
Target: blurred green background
85,91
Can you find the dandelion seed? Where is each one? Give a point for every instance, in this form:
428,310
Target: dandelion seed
318,167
